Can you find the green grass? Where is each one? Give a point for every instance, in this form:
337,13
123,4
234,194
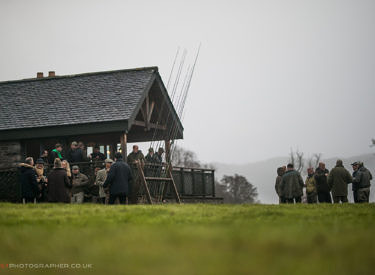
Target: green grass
191,239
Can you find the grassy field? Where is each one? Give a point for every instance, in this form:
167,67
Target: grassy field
190,239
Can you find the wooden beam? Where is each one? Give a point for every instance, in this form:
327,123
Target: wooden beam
167,151
124,151
151,125
150,111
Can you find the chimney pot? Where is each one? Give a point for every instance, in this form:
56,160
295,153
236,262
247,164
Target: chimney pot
39,75
51,73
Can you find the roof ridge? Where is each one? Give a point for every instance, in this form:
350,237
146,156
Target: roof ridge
154,68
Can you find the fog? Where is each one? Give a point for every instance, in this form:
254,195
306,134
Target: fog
271,75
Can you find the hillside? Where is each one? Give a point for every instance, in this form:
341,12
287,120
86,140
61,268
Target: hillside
263,173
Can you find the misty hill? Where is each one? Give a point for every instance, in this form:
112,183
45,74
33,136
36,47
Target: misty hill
263,174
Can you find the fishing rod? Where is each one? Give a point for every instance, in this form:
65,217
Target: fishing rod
181,110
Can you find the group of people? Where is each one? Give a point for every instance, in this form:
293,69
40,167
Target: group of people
113,179
323,185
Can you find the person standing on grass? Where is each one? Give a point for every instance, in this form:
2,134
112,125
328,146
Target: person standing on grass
310,185
291,186
322,188
79,183
28,181
280,172
354,183
118,179
101,176
338,180
361,181
58,184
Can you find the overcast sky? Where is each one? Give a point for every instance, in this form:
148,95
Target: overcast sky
271,74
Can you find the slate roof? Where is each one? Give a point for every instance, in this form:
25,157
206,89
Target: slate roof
66,100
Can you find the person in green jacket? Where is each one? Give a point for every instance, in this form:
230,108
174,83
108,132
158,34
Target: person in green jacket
291,186
310,184
338,180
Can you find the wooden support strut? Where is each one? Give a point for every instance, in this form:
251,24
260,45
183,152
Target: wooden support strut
144,182
123,140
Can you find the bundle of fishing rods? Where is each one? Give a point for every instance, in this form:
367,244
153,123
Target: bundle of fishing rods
178,94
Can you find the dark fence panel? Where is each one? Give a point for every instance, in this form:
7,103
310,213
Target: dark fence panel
9,185
189,181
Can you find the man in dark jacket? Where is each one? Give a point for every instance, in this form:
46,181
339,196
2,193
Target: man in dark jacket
96,155
118,180
280,172
362,184
322,188
58,184
354,185
136,155
74,154
291,186
28,182
338,181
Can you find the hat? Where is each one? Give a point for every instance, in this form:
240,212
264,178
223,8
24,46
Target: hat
161,149
75,167
151,149
75,143
39,161
355,163
108,161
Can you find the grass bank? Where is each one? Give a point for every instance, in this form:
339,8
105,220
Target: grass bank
190,239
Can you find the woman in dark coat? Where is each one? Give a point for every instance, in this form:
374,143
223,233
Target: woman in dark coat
58,184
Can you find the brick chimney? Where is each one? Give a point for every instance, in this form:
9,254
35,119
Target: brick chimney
39,75
51,73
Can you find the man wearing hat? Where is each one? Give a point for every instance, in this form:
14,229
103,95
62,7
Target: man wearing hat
79,182
101,176
150,156
159,155
361,181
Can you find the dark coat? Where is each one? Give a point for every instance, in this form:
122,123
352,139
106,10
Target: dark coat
118,178
58,184
321,180
29,185
74,156
361,178
291,185
53,155
338,181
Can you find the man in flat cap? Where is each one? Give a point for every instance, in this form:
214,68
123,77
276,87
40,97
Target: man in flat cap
80,182
362,180
101,176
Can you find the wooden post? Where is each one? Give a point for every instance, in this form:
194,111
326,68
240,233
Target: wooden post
124,151
167,151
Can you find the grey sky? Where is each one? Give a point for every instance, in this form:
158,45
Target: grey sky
271,75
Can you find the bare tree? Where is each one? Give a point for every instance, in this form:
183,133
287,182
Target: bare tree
314,160
296,158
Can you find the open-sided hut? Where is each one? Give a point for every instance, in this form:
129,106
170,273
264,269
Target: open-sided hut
105,108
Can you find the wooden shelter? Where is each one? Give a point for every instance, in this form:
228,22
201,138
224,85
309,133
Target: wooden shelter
108,108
